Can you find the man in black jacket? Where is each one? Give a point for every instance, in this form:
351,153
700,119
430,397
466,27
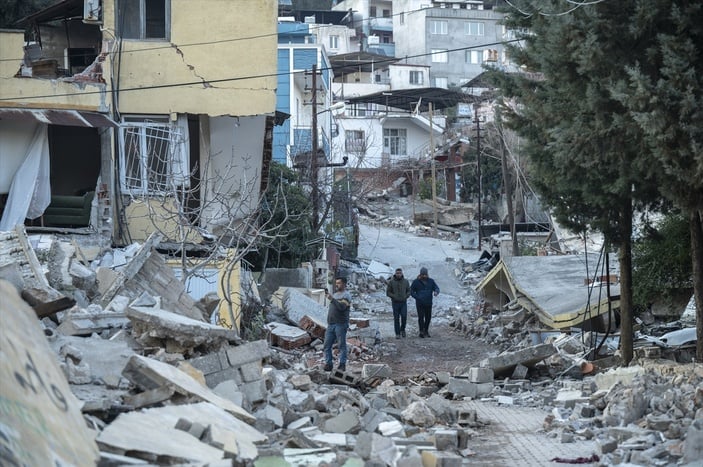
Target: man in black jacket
398,290
422,290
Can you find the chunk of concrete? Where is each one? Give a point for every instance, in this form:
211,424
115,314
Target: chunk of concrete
344,422
505,363
419,414
150,374
41,417
287,337
152,324
153,432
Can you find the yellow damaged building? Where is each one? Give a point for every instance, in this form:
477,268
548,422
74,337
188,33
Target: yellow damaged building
129,117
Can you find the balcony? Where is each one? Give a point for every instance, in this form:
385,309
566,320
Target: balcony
381,24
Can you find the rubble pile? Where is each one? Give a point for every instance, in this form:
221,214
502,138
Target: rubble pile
155,382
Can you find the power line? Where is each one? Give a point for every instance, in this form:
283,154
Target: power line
311,29
204,82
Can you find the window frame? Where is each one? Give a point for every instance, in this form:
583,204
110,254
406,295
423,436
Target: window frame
354,141
480,28
416,77
138,164
444,82
439,27
475,56
439,55
395,141
143,21
334,42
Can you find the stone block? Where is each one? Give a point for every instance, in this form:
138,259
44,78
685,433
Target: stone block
446,440
210,363
301,382
250,371
345,422
254,391
464,387
249,352
213,379
440,459
480,375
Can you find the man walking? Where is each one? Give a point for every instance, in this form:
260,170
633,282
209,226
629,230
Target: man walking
337,324
398,290
422,290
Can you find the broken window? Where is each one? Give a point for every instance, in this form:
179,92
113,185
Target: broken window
154,157
144,19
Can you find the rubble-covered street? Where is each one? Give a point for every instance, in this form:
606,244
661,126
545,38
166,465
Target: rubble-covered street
130,372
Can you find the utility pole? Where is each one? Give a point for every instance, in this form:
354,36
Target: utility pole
434,181
478,174
313,161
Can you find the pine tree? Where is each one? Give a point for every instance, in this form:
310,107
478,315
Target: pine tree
587,154
665,97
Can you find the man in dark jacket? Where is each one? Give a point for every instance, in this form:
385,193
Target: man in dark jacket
398,289
337,324
422,290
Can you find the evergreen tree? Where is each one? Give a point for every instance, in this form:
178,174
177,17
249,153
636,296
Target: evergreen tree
587,154
665,96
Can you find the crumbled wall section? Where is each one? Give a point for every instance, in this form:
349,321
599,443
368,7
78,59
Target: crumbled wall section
158,280
16,253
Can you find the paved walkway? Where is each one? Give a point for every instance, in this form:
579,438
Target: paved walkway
513,438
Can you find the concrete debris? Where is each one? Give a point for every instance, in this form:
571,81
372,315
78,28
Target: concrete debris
137,361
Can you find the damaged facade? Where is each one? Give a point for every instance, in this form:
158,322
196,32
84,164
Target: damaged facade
125,120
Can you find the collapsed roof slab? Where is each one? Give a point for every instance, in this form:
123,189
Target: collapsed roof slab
556,288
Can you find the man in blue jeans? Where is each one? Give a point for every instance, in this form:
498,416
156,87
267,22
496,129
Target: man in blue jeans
398,290
422,290
337,323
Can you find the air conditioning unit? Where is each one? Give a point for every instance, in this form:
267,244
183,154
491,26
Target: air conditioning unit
310,19
92,12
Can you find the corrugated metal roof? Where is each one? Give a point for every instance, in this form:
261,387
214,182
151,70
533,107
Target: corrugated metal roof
58,117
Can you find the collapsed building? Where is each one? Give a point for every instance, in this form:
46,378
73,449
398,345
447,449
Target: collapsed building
124,368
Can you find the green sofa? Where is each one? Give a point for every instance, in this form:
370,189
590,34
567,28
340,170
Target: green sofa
68,211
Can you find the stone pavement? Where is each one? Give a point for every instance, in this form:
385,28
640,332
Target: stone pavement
514,438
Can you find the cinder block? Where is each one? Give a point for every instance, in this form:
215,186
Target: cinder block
254,391
446,440
250,371
249,352
209,363
480,375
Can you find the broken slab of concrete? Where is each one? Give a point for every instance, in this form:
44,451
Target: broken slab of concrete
151,374
152,434
41,422
505,363
84,322
147,272
287,337
153,326
20,266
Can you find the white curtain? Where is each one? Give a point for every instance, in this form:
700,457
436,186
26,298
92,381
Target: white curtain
30,192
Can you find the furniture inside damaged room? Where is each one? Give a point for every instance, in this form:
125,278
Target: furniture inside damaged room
68,211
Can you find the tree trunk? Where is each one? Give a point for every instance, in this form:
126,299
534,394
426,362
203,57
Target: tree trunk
696,226
625,260
509,193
